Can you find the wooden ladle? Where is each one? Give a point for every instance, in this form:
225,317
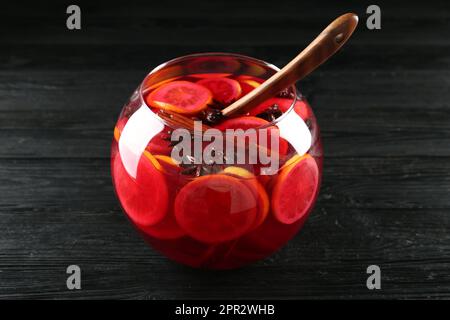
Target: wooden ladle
324,46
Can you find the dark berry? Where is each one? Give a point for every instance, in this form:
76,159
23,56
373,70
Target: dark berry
271,113
213,116
286,93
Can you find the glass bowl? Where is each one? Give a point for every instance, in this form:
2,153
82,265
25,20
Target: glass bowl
226,192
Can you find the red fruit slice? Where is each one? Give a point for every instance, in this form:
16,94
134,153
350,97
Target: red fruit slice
248,85
301,107
292,161
257,190
295,190
143,198
180,96
253,122
224,90
172,171
160,143
215,208
168,228
167,162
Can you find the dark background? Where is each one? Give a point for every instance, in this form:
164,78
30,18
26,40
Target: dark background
382,103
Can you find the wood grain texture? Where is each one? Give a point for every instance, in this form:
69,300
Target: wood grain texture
382,103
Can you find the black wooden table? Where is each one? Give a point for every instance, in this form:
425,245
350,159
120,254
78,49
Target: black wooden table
383,105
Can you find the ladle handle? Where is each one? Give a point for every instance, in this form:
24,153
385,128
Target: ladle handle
330,40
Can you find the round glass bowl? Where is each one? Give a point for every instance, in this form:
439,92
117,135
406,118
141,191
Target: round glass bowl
232,192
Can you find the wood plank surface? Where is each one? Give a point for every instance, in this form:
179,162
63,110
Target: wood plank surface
382,104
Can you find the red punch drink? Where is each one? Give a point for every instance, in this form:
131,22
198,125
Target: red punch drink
235,190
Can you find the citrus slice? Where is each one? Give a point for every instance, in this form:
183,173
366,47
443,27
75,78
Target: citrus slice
144,198
166,160
292,161
224,90
180,96
257,190
168,227
248,83
248,86
215,208
172,172
295,190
